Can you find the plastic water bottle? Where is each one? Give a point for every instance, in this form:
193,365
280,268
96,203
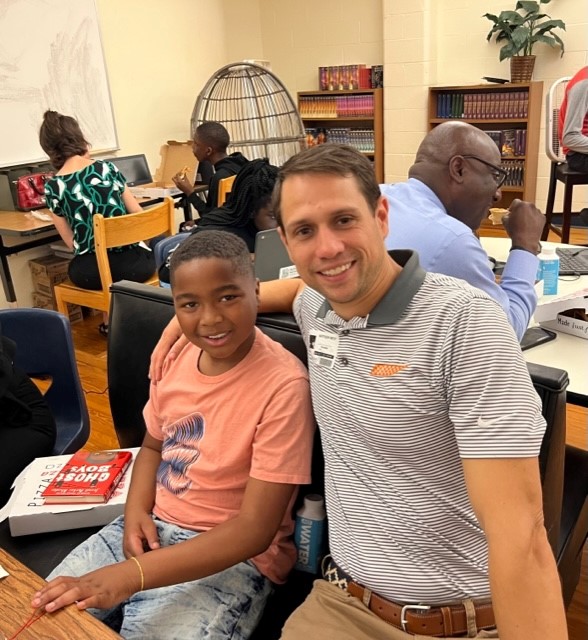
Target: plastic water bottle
309,533
548,270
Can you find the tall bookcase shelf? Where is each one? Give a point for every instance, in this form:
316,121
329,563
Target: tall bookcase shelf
354,117
510,114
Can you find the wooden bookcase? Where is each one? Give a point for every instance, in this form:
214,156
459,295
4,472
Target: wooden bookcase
490,108
358,111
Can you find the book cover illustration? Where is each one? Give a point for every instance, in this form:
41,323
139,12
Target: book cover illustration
88,477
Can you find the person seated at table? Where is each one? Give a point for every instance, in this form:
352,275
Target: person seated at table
247,209
573,122
210,502
80,188
455,179
210,144
27,426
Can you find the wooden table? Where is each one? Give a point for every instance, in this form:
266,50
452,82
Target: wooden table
566,352
21,225
16,592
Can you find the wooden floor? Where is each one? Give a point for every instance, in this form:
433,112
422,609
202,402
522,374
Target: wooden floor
91,356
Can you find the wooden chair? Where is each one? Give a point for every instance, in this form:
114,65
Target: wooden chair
224,188
559,167
116,232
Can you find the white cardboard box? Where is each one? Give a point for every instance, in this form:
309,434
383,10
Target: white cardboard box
549,313
175,156
27,514
147,191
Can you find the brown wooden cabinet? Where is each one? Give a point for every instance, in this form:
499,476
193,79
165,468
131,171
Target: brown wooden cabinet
514,110
354,117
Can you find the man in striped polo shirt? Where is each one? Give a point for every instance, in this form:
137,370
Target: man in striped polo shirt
430,427
429,422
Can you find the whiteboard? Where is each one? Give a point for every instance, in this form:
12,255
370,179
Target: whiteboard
51,58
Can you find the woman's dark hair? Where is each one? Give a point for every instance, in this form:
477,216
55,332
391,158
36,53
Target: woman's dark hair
251,191
61,138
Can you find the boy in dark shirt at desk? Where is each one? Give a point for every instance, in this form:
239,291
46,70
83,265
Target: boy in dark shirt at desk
207,525
210,144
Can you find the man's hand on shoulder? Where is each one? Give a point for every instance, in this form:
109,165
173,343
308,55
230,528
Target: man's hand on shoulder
524,224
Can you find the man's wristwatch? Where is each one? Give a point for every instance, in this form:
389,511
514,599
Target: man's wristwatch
535,253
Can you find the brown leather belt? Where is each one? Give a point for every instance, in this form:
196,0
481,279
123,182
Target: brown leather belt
417,619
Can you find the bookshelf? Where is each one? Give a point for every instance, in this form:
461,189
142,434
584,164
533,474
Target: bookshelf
354,117
510,114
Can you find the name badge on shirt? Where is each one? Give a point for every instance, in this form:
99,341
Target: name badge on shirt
323,348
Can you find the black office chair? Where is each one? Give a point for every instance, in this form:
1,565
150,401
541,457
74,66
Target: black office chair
559,167
45,349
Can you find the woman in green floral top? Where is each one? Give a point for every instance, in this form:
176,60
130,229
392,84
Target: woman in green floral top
80,188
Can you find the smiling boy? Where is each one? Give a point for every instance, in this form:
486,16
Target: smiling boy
215,480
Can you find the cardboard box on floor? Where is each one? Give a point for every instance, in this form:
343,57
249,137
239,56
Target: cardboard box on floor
46,272
42,301
175,156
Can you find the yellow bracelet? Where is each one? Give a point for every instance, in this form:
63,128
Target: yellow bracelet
141,572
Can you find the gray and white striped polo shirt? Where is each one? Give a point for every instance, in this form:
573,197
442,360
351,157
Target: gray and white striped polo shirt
433,374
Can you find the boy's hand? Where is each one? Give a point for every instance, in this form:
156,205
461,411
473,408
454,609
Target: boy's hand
170,344
183,184
101,589
140,534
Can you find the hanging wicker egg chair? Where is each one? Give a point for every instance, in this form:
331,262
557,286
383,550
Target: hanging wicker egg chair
256,109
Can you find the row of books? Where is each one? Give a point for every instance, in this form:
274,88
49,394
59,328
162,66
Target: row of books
347,106
492,105
351,76
510,142
361,139
515,170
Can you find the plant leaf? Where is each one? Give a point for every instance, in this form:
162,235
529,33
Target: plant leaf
560,42
507,51
550,40
528,5
511,17
520,36
550,24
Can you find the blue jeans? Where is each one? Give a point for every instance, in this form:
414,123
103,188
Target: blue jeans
225,605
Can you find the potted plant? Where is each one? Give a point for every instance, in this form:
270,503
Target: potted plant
519,31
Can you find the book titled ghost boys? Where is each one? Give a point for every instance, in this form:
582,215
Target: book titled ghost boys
88,477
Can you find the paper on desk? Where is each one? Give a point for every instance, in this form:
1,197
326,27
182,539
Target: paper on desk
3,572
44,217
549,306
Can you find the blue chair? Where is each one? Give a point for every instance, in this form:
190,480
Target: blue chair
162,250
44,347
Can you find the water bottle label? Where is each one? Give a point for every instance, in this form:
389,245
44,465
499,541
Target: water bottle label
308,536
550,276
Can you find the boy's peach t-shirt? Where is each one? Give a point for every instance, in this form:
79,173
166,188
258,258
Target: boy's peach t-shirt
218,431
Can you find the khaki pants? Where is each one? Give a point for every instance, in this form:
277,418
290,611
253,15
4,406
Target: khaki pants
329,613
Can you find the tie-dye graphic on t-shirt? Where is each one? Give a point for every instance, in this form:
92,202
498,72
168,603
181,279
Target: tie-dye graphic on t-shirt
180,450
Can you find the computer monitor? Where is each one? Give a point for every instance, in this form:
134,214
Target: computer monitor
134,168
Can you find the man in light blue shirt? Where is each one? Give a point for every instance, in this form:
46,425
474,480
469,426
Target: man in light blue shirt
455,179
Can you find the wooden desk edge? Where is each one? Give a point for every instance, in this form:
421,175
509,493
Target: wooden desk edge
16,591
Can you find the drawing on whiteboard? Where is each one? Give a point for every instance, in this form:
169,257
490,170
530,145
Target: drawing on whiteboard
51,58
